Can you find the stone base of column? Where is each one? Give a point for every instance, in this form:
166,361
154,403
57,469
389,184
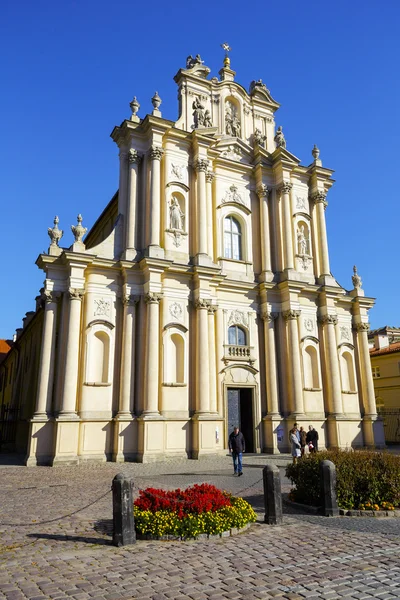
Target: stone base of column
66,441
125,443
129,254
203,260
289,274
40,450
327,280
154,251
266,277
373,432
207,435
273,435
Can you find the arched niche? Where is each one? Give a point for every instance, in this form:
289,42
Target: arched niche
347,371
98,352
174,356
232,117
311,363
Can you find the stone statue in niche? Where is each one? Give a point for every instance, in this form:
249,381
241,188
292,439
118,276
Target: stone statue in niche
302,241
175,214
198,113
232,122
207,119
259,138
280,138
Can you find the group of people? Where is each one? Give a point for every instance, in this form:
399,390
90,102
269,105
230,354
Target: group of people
303,442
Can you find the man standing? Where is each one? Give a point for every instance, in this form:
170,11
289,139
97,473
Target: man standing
237,447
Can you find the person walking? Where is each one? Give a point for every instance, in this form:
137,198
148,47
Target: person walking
237,446
296,448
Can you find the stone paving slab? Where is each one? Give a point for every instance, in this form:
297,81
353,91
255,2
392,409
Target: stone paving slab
45,556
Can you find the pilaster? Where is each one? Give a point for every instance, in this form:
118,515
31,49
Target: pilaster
297,405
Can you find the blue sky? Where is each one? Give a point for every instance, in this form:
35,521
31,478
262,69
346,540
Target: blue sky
70,68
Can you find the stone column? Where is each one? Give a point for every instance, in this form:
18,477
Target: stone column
203,365
123,183
134,162
152,369
291,317
68,405
127,388
156,154
335,390
271,373
210,228
47,356
367,382
212,356
201,168
319,199
262,193
288,259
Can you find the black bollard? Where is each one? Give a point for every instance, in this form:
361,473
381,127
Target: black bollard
272,495
328,489
123,520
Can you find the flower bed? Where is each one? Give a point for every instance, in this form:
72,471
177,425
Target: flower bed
198,510
365,480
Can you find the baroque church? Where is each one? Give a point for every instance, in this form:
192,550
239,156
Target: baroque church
202,298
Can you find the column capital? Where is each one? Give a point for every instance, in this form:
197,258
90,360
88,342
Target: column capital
203,303
285,187
134,157
360,327
212,309
210,176
290,315
262,191
129,300
328,320
268,316
156,153
76,293
50,296
202,165
153,298
319,197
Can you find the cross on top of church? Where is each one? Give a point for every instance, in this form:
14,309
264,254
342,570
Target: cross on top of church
225,46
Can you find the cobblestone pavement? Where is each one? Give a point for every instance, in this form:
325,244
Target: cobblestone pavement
45,556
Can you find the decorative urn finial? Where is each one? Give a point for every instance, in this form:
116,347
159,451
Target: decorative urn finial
315,152
78,230
156,101
134,104
356,279
55,234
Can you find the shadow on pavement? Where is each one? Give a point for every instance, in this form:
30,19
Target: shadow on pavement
70,538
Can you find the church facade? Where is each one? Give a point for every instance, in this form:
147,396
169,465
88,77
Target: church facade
202,298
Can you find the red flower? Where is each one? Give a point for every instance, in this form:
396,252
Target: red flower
196,499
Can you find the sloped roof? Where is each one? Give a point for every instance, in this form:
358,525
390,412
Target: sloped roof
5,347
391,348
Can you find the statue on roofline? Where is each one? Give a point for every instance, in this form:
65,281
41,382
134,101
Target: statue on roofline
192,62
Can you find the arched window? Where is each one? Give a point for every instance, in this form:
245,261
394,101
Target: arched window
232,239
99,358
348,380
311,372
236,336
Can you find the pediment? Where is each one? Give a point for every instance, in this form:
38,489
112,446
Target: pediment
234,149
259,90
283,155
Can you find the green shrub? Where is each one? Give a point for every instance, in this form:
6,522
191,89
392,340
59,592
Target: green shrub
362,477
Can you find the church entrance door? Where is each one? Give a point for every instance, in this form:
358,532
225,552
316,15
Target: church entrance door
240,413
